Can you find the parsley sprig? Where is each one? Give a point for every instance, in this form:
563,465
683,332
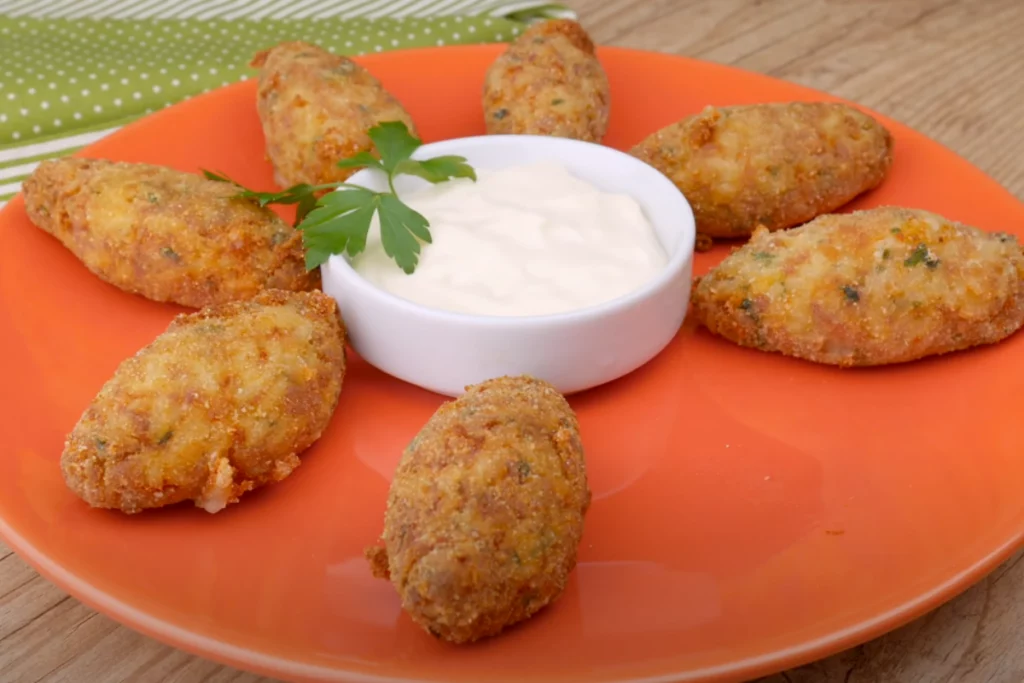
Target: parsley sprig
339,222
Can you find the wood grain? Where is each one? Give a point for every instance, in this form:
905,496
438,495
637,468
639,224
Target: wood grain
953,69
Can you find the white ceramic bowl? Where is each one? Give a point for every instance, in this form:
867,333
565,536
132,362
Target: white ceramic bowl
444,351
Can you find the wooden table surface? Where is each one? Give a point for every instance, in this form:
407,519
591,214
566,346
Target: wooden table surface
953,69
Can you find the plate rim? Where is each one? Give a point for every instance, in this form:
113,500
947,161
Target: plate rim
271,665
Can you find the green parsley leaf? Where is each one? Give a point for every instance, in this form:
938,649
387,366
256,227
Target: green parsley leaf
316,257
399,228
210,175
438,169
344,233
361,160
306,204
335,204
394,143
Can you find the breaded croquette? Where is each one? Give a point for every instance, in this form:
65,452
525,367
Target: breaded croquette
774,165
316,108
886,285
548,82
486,510
221,403
165,234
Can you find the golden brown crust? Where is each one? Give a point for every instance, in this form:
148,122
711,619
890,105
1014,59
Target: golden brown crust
221,403
377,556
567,28
486,510
888,285
548,82
703,242
164,234
777,165
316,108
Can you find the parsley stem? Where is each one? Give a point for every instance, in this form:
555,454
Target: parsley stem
391,184
333,186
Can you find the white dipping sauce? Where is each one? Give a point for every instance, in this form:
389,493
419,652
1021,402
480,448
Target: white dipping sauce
525,240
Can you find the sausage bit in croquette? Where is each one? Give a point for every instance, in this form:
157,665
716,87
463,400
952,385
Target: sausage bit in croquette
775,165
165,234
486,510
887,285
316,108
548,82
219,404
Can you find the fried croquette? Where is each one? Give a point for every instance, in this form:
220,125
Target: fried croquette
486,510
221,403
165,234
774,165
548,82
316,108
887,285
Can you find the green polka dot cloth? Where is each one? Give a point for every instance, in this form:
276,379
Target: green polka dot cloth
73,71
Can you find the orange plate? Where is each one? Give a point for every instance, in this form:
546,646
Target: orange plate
750,512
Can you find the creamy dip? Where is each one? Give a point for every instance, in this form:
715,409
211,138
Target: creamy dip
524,240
